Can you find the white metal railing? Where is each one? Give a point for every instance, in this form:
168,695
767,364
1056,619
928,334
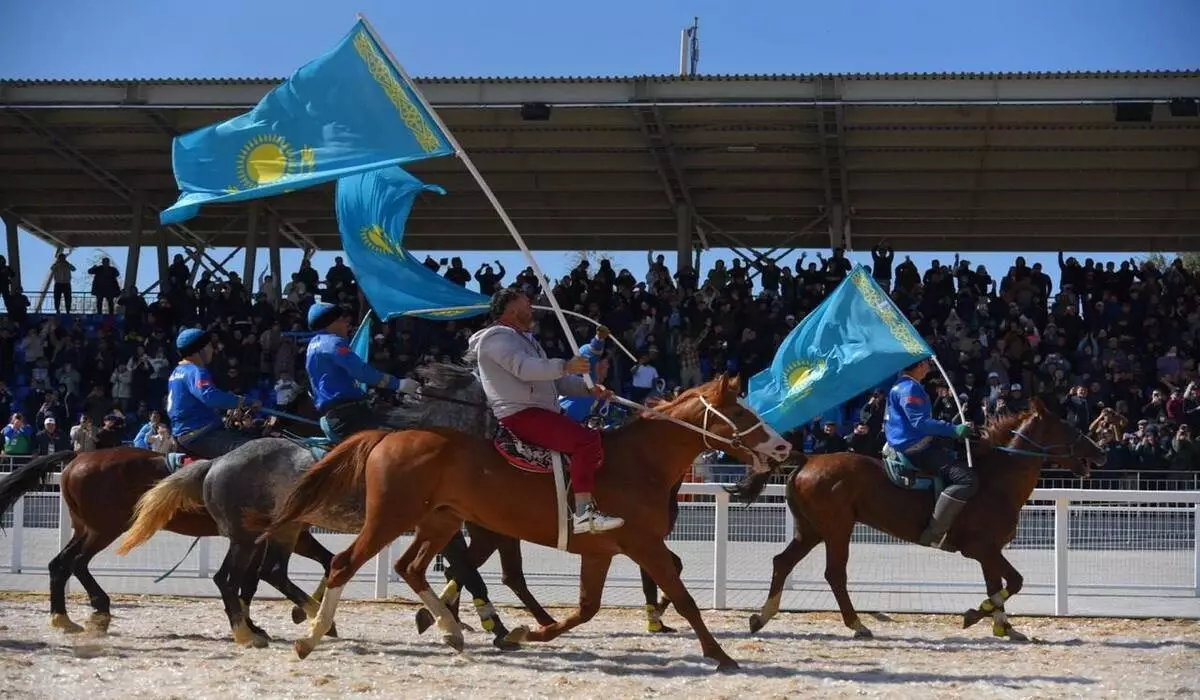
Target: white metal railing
1120,540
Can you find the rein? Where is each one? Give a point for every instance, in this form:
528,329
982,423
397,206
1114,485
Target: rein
1043,451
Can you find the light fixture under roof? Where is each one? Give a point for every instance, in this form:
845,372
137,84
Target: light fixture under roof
741,149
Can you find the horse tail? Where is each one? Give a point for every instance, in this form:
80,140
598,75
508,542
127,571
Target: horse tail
182,491
751,487
328,482
29,475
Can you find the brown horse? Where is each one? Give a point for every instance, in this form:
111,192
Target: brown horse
101,489
433,480
831,492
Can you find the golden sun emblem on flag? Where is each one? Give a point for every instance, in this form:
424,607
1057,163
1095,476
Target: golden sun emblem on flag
264,159
801,375
376,239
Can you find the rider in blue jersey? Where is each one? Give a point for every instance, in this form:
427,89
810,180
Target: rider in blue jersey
335,372
911,429
194,403
582,408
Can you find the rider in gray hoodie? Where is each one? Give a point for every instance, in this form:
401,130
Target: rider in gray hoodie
522,387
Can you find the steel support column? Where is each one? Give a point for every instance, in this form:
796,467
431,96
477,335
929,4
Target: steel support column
251,247
273,236
163,254
14,250
683,236
133,257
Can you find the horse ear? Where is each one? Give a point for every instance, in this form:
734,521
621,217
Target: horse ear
717,388
1038,406
733,387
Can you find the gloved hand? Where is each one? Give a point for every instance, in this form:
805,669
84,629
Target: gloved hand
963,430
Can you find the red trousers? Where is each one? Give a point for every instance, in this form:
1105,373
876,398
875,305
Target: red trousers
554,431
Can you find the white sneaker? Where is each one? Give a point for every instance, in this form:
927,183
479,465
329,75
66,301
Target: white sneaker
593,521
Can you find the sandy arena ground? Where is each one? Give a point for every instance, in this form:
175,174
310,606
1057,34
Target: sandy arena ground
181,648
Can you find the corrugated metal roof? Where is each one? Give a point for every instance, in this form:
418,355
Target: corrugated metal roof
765,77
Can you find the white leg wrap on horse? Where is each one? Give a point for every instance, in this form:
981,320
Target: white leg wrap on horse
324,618
770,608
445,620
486,610
999,597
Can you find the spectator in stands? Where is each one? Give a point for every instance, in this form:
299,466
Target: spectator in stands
828,441
146,431
162,441
489,280
456,273
50,439
60,273
83,435
110,431
18,436
106,285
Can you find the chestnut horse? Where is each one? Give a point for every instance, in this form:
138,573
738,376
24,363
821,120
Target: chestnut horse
101,488
433,479
831,492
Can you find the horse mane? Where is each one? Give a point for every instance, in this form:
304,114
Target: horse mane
998,431
446,375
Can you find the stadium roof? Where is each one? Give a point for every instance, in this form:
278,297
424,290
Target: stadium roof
1030,161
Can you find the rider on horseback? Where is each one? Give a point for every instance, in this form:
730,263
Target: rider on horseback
334,373
195,404
522,387
912,431
585,409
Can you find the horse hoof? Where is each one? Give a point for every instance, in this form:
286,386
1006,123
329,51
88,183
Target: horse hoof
518,635
501,642
756,623
98,623
424,620
298,615
660,628
861,632
727,666
60,621
454,640
332,631
1016,636
303,648
970,617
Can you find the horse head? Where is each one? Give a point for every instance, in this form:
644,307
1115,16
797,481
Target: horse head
729,425
1041,433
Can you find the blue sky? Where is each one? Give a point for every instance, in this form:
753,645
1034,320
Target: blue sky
270,38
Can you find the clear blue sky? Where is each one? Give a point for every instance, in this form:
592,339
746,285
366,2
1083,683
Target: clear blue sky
270,38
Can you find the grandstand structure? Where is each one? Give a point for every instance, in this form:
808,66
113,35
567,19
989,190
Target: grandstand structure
1083,161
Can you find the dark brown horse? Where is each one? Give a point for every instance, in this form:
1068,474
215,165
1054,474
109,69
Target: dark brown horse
831,492
433,480
101,489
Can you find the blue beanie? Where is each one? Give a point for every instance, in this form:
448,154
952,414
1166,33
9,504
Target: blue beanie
322,314
190,341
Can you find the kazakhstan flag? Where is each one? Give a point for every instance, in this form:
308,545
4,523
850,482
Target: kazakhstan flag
854,340
372,208
346,112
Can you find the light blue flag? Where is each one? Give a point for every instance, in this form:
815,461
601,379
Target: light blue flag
346,112
360,344
372,209
854,340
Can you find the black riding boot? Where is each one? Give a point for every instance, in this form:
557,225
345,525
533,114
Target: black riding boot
944,512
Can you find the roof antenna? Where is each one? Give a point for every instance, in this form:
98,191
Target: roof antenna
689,50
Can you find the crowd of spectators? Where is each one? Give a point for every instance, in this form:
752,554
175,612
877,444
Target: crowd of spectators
1112,349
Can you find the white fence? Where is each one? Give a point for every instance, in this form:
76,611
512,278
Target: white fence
1116,552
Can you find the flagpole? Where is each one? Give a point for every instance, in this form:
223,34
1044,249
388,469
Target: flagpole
962,415
487,191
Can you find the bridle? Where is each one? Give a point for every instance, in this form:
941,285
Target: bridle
1045,452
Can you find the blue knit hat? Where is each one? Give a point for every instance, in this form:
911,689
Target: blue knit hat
190,341
322,314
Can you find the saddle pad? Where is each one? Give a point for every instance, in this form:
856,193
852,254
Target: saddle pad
524,455
903,473
178,460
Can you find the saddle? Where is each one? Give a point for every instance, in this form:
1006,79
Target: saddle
317,447
903,473
539,460
179,460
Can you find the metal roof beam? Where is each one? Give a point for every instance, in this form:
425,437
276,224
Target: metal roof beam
463,92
